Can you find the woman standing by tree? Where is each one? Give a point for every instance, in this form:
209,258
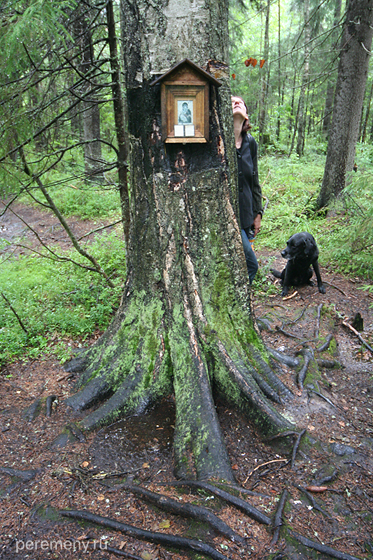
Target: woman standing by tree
250,193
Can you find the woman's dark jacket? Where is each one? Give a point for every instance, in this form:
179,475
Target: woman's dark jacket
250,193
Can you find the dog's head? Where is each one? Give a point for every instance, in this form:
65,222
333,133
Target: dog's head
301,246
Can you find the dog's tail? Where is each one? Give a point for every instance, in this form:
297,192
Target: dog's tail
276,273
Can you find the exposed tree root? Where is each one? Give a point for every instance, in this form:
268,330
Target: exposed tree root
308,356
277,521
49,403
328,364
288,334
122,553
326,344
312,500
322,397
33,410
149,536
23,476
296,447
240,504
186,510
241,375
322,548
283,358
319,309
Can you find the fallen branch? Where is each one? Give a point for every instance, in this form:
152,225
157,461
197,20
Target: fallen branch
277,521
99,229
322,547
336,288
185,510
295,448
312,500
358,335
290,297
240,504
264,465
142,534
15,313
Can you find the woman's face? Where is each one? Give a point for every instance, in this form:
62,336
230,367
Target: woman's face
238,107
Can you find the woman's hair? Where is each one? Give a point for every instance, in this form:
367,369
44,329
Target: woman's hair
246,126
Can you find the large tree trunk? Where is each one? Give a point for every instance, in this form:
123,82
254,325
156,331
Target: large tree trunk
348,100
185,323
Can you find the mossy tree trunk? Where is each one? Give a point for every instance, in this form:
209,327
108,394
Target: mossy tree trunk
185,323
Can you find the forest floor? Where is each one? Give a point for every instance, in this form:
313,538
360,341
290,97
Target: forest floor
329,483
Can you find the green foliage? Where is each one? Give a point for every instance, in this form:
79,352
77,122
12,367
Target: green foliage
290,185
57,302
77,197
345,234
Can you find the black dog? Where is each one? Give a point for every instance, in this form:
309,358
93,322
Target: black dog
302,252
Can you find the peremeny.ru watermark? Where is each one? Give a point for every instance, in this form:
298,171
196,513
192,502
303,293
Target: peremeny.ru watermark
61,545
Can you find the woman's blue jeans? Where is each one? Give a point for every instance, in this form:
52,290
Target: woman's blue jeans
251,262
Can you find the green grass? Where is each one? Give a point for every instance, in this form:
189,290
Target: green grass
345,235
58,301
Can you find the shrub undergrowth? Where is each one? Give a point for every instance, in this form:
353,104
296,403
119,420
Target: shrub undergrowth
344,234
59,303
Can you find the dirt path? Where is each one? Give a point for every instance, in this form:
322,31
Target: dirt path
336,411
16,229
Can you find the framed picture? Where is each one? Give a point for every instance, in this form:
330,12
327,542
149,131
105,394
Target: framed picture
185,111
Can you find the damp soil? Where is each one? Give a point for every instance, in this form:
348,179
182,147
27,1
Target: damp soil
335,408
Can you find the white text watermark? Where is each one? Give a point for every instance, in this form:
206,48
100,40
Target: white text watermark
60,545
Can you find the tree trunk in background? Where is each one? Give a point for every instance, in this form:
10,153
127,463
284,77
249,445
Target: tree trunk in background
331,83
292,121
301,108
265,78
367,113
279,77
185,322
119,120
348,100
90,110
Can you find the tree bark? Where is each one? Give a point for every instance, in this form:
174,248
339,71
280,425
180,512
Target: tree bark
185,323
91,109
265,78
331,83
348,100
367,113
119,120
301,108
